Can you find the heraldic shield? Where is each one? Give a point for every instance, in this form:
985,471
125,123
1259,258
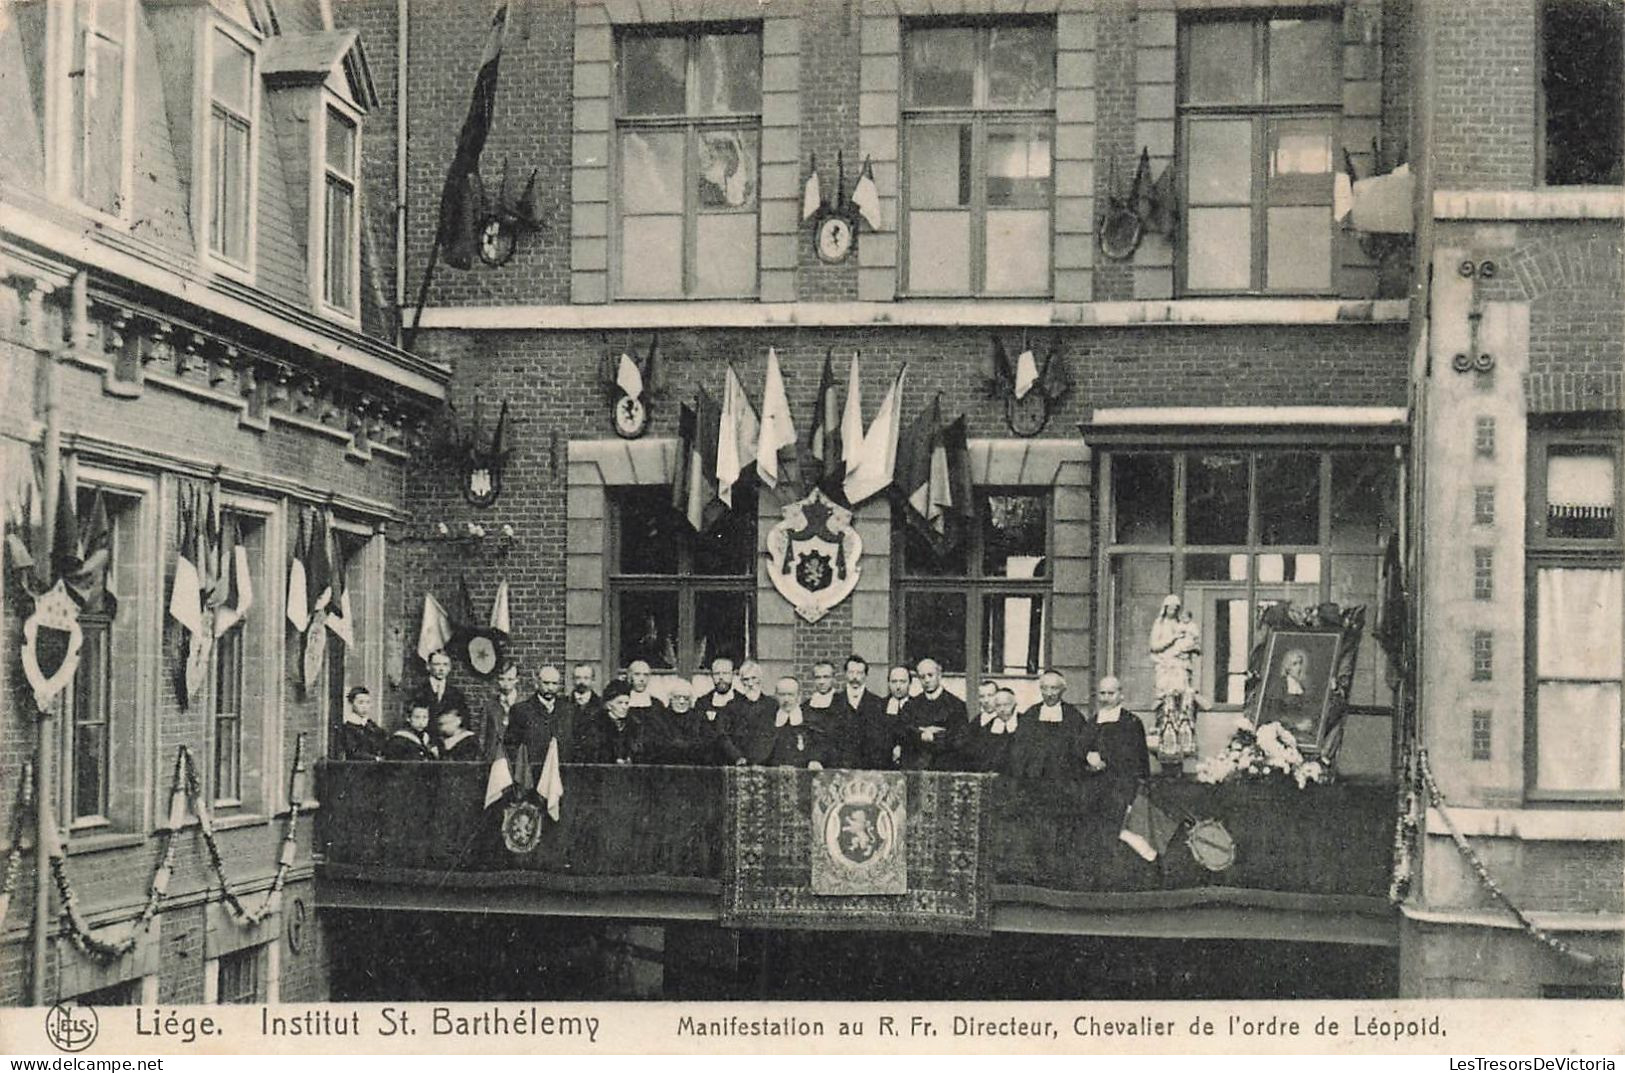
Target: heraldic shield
860,831
814,553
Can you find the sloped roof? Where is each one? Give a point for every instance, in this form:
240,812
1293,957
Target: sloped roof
293,59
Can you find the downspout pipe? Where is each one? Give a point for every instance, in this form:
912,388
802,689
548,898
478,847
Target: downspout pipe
402,42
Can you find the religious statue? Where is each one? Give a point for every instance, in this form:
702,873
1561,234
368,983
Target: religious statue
1176,645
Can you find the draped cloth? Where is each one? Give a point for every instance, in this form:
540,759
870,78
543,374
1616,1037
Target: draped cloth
768,844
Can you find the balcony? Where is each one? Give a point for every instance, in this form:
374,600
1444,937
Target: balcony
647,843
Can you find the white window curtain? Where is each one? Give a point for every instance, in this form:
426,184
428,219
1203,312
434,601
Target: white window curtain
1578,659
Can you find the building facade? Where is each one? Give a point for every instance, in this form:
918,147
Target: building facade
1246,402
196,341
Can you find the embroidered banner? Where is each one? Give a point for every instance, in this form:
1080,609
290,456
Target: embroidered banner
799,847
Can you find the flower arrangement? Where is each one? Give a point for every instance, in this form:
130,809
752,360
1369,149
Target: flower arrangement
1266,752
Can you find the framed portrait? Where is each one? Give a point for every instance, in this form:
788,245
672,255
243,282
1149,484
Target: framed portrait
1296,690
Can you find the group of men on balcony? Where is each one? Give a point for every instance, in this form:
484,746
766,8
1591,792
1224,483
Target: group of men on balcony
738,722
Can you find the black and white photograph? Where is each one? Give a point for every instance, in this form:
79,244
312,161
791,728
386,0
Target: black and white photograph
566,518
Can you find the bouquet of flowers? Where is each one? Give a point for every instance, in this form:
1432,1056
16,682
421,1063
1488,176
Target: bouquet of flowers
1266,752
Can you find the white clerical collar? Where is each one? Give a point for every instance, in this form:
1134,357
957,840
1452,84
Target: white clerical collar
720,698
936,695
988,717
642,700
1049,713
821,700
1004,726
1109,715
351,719
895,704
787,719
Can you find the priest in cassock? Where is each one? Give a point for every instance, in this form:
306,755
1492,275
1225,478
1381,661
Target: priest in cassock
715,709
934,723
1053,738
827,718
750,718
795,741
871,736
986,743
539,719
1118,749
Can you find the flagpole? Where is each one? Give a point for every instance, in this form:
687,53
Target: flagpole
410,337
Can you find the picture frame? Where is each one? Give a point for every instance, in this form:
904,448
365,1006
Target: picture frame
1297,686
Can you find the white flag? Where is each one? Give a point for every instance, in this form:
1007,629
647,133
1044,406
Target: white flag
551,786
737,439
298,598
877,459
778,431
498,781
1026,373
811,197
866,196
339,621
852,418
435,633
499,610
227,617
628,377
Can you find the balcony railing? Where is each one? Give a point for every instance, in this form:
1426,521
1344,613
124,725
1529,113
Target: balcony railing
657,833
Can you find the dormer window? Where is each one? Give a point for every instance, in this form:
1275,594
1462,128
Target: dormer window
340,221
229,164
92,148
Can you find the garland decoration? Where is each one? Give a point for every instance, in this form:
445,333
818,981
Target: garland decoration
1436,796
79,932
184,786
241,915
19,831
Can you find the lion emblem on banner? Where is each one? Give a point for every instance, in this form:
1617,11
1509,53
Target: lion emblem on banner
814,553
860,820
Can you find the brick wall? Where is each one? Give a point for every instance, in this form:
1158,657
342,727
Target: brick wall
1484,58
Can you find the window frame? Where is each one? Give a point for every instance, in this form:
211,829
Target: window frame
364,665
687,585
976,587
980,116
215,978
257,708
65,35
692,124
1262,116
206,155
130,763
327,103
1179,550
1545,552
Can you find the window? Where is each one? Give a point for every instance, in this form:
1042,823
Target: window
1582,93
94,151
1260,101
682,599
1575,572
688,151
239,977
239,683
341,224
980,609
124,993
355,558
1231,532
978,134
100,746
229,188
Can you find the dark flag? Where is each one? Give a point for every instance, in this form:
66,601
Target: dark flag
933,475
82,555
1139,195
821,464
694,482
1390,627
462,196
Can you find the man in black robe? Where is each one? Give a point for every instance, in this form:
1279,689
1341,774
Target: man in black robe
796,741
870,735
827,718
934,723
359,737
987,744
749,729
1118,748
615,735
714,710
1053,738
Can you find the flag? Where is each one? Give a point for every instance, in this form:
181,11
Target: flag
933,475
694,485
1139,195
193,596
628,377
500,621
812,199
550,786
460,197
339,619
1164,209
1000,375
435,632
237,589
823,437
872,470
778,431
298,587
1146,828
866,196
1390,626
83,566
1026,372
852,418
498,780
736,436
1343,188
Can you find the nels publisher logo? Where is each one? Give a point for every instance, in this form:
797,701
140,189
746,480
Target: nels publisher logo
70,1027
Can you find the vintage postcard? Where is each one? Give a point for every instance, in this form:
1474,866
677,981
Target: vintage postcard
799,526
